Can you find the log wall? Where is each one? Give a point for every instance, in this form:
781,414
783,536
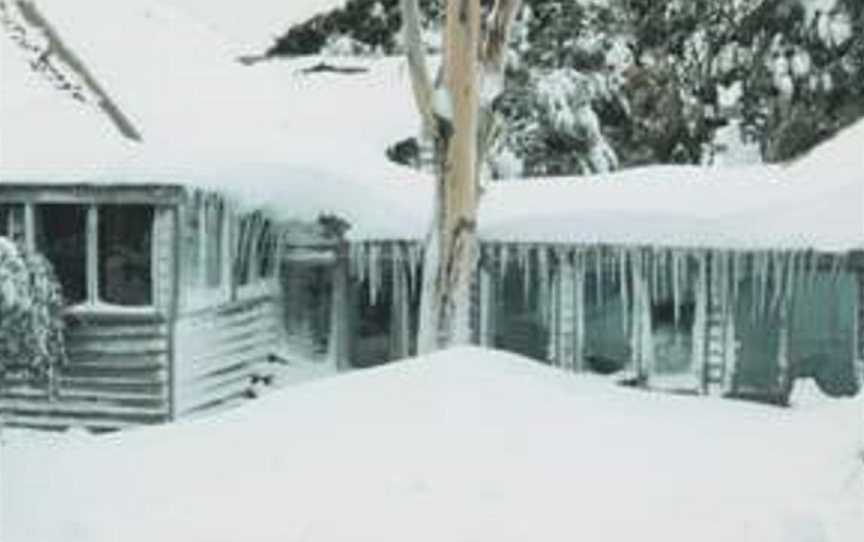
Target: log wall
117,376
222,352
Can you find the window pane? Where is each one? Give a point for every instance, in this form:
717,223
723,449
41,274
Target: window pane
125,233
213,218
61,235
308,291
12,222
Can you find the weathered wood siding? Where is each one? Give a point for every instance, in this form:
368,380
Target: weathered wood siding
220,351
117,376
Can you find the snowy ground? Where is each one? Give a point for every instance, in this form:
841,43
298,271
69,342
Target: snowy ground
466,445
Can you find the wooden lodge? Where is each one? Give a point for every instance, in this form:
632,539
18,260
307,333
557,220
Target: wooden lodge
174,303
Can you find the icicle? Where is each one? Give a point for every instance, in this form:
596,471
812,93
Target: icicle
503,261
579,316
655,273
700,322
524,257
837,262
374,262
553,345
779,275
813,271
800,273
598,275
362,262
726,280
543,270
623,285
737,272
635,263
764,263
676,286
789,276
414,254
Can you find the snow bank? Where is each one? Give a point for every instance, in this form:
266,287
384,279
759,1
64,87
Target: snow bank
468,444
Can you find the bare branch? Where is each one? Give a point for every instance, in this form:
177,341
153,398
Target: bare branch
58,49
420,80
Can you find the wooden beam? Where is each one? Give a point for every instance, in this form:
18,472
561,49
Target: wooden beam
84,193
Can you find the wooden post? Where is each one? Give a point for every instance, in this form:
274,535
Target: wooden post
400,318
92,255
486,305
700,326
859,331
29,227
341,304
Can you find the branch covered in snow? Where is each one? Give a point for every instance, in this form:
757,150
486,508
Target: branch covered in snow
421,82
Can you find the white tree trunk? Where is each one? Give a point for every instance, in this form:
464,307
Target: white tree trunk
450,115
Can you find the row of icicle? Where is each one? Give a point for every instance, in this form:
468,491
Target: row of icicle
664,273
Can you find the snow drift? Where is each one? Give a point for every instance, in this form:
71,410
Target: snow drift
467,444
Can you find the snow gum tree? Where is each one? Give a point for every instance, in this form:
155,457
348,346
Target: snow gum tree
457,115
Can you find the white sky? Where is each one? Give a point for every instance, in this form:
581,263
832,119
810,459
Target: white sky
254,24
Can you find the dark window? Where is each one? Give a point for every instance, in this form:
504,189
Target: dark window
12,222
266,250
125,233
308,291
61,235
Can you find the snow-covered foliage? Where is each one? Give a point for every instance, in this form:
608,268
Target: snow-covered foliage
466,444
31,304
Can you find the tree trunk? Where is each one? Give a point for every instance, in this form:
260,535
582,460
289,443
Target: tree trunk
452,244
450,115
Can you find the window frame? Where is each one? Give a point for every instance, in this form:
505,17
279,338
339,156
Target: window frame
92,304
197,292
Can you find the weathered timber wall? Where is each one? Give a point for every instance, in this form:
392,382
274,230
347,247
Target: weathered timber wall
220,351
117,376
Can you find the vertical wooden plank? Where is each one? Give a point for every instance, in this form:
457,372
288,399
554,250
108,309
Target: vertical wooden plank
486,304
29,226
859,330
700,325
339,316
400,319
174,310
201,209
226,286
92,256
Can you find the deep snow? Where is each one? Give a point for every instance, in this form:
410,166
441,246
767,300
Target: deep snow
468,444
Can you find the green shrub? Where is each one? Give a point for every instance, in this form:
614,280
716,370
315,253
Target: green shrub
31,320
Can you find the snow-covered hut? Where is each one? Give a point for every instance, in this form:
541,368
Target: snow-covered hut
733,281
727,280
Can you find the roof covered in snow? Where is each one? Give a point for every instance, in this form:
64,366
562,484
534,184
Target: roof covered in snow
271,135
467,444
817,202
